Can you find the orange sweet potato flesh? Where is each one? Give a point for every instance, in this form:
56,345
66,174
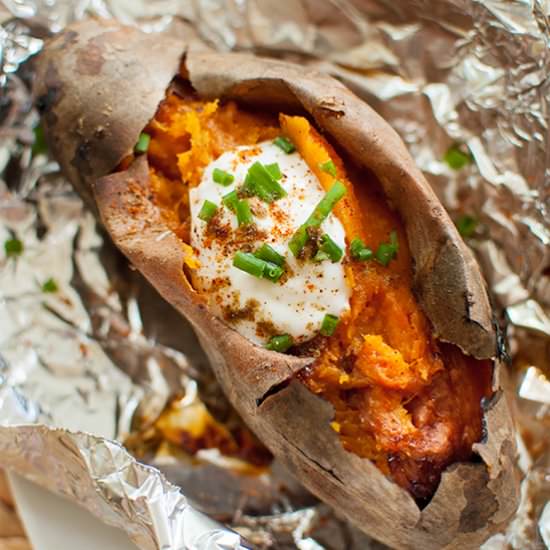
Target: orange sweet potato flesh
400,398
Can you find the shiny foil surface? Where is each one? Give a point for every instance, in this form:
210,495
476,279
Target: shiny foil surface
91,358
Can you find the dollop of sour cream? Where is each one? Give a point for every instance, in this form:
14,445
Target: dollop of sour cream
258,308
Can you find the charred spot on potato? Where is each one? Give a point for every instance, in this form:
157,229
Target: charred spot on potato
90,59
81,160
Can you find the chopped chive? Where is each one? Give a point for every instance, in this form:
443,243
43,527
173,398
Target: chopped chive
269,254
249,263
329,324
258,268
244,215
279,343
207,211
329,247
318,216
456,158
365,255
387,251
299,240
259,181
274,170
222,177
143,143
328,167
13,247
359,251
50,286
39,145
273,272
466,225
230,200
320,256
285,144
356,246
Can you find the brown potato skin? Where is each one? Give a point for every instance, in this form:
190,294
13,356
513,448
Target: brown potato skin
473,500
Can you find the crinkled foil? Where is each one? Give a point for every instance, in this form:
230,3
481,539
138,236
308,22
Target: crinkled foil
87,347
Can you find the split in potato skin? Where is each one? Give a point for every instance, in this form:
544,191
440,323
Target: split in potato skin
402,399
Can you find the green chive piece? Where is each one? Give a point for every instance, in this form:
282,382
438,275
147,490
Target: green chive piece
365,255
329,247
387,251
13,248
466,225
328,167
320,256
249,263
245,261
207,211
273,272
244,215
50,286
299,240
274,170
269,254
279,343
359,251
222,177
329,324
356,246
143,143
285,144
230,200
318,216
39,145
456,158
259,181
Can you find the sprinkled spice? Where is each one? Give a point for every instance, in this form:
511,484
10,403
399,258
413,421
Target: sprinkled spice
248,312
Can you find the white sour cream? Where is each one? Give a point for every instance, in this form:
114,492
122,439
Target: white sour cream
255,307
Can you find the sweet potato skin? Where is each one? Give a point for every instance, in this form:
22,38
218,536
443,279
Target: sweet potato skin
474,499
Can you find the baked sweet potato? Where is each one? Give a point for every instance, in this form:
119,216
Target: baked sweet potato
393,413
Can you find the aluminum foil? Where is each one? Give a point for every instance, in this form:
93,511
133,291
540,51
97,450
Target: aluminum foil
89,356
